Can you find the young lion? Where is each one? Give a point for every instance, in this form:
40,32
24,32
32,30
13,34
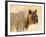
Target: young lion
22,19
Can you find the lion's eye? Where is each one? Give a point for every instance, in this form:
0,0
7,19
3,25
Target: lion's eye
34,16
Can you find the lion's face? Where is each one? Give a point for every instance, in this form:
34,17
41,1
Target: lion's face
33,17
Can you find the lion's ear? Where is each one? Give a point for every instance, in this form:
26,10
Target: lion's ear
35,11
30,11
